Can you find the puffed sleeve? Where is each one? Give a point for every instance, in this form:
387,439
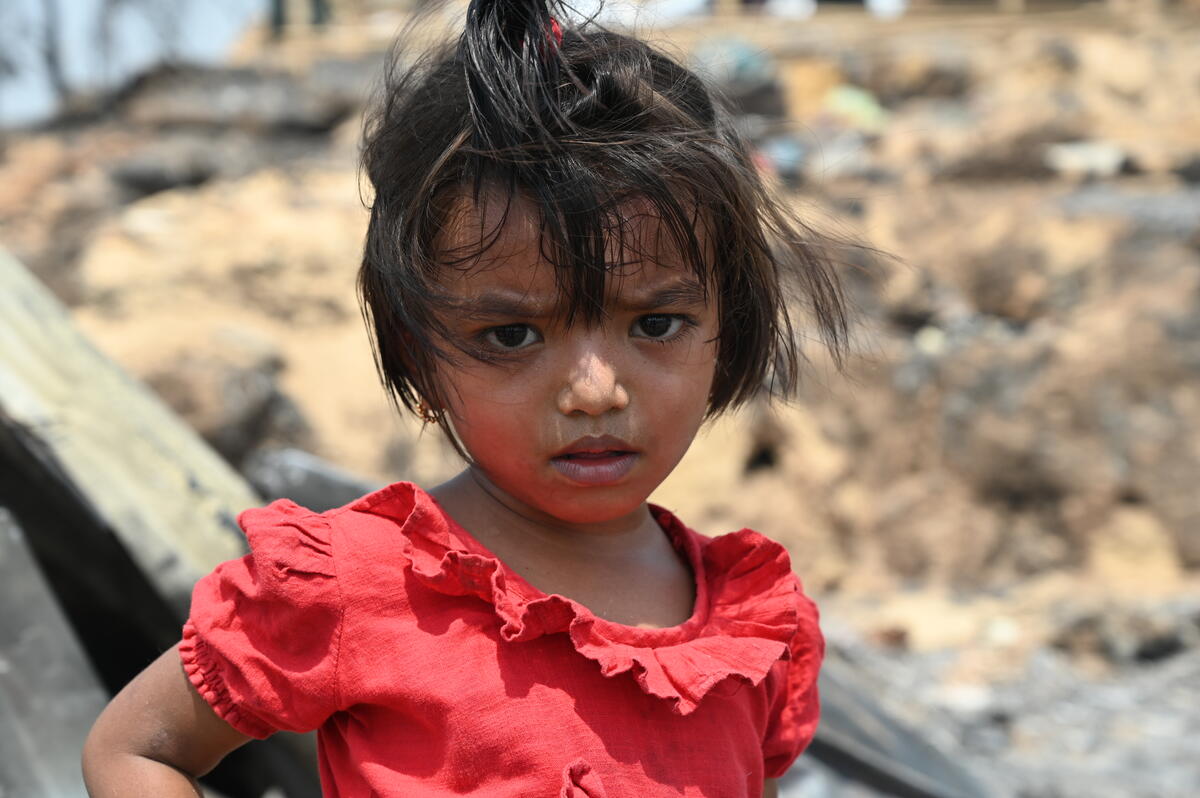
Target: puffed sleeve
795,707
261,640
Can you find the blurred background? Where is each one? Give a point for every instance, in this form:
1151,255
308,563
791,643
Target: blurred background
997,507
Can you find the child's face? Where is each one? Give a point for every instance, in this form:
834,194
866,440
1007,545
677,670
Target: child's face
580,423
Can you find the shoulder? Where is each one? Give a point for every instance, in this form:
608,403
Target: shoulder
288,539
386,526
749,575
744,563
261,641
759,571
383,513
362,526
726,549
384,539
344,544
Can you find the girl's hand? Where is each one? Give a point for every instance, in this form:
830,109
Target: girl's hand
156,737
770,788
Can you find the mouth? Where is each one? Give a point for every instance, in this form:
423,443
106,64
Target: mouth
596,460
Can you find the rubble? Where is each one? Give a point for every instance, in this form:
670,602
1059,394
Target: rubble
126,583
247,98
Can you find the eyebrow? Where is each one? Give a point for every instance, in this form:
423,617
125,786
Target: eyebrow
683,292
687,293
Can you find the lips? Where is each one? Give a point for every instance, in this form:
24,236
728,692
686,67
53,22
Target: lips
596,445
596,460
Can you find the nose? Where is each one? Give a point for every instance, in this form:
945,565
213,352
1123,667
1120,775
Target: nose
593,386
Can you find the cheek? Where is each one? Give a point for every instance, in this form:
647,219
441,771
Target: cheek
676,386
489,406
694,361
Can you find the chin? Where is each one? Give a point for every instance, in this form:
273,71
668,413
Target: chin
592,505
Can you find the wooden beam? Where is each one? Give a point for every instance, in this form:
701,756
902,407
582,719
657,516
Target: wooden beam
150,479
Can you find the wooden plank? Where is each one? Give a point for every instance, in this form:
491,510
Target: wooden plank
151,479
125,508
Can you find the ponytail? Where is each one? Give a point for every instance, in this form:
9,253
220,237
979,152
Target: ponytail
510,54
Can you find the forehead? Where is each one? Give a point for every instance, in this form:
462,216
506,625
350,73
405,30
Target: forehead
498,246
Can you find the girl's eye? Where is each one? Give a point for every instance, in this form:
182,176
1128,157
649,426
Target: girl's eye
511,336
658,326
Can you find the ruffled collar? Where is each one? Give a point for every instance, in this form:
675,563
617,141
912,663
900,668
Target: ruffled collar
745,612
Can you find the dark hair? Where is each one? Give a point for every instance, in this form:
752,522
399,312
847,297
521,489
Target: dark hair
582,125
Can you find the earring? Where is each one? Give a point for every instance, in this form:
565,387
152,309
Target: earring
426,412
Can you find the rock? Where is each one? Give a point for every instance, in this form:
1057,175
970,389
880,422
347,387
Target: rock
167,163
1163,470
185,159
954,536
55,196
1169,213
910,297
348,77
1008,154
1041,368
1126,68
924,135
251,99
308,480
1010,283
1087,159
934,69
1129,635
228,391
1134,548
1189,169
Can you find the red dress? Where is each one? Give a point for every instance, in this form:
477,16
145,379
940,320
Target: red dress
431,669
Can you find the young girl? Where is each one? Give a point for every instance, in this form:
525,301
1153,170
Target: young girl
571,264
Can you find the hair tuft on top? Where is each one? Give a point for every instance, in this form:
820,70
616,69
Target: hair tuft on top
511,65
587,131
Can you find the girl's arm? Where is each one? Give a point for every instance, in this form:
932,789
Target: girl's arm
770,788
156,737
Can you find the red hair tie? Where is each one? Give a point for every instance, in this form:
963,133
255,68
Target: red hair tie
556,32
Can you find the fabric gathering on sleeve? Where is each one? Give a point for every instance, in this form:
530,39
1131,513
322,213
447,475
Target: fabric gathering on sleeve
261,641
796,707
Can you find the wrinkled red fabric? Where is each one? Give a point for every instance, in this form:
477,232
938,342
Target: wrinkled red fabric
429,668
